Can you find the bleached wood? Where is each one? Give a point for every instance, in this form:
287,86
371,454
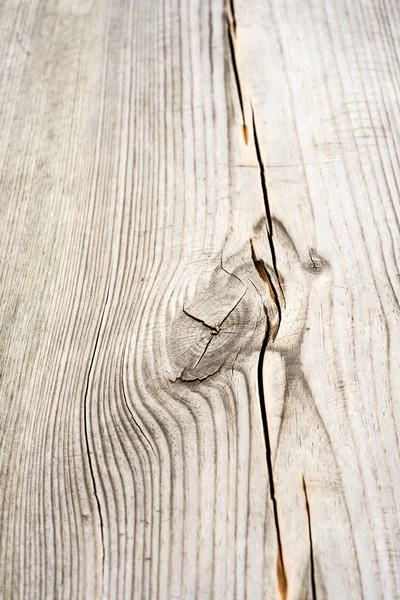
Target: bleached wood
199,356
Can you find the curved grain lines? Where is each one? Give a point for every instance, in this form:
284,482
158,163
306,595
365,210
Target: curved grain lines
126,170
139,581
43,491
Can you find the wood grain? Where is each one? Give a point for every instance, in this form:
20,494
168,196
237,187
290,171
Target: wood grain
199,352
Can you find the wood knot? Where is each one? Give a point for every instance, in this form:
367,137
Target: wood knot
225,321
317,264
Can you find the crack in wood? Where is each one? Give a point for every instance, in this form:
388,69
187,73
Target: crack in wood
282,580
85,415
312,565
198,379
215,330
233,16
266,205
264,274
231,26
269,334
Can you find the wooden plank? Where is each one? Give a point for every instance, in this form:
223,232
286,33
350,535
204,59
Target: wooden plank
199,315
325,98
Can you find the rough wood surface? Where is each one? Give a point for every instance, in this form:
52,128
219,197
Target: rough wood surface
199,284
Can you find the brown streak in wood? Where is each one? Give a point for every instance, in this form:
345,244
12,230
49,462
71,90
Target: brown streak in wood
245,132
281,576
265,276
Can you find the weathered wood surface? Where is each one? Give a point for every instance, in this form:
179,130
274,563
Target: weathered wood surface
200,345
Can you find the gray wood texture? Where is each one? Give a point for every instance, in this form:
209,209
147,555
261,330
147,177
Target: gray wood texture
199,299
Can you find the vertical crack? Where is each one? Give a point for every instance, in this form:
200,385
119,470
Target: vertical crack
86,430
266,205
271,331
281,574
232,26
313,585
269,334
232,9
264,274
